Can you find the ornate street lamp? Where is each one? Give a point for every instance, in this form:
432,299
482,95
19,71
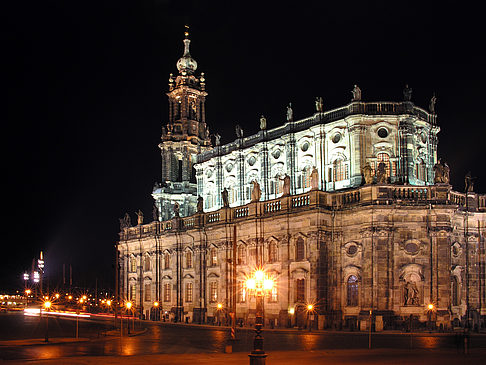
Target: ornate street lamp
259,284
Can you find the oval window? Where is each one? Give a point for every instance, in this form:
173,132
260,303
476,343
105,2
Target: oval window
276,154
411,248
305,146
251,160
382,133
352,250
336,138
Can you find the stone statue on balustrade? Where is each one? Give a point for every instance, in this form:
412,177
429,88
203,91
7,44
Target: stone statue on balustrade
356,93
367,173
155,213
433,100
217,139
200,204
441,171
286,185
319,104
381,177
125,222
290,113
239,131
469,182
224,196
256,192
176,209
314,179
139,217
407,93
263,123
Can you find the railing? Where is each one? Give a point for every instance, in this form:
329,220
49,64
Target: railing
364,195
272,206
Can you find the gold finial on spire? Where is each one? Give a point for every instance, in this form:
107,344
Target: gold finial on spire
186,32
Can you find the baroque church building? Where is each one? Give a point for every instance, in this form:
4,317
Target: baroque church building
348,209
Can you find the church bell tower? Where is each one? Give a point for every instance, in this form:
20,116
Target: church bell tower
184,136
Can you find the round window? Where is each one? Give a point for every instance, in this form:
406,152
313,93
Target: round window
382,133
352,250
336,138
411,248
209,173
423,137
455,250
229,167
276,154
251,160
305,146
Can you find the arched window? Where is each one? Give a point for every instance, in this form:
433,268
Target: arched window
133,264
241,255
146,263
385,158
299,249
300,290
421,170
352,291
306,177
272,252
166,261
189,259
455,291
340,171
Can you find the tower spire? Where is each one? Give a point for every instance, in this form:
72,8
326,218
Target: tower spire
186,64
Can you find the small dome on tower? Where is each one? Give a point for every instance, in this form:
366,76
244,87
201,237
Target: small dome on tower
186,64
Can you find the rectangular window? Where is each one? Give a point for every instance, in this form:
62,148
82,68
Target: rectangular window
213,291
189,259
274,294
167,292
148,293
213,257
133,292
300,290
241,255
241,292
133,264
189,289
166,261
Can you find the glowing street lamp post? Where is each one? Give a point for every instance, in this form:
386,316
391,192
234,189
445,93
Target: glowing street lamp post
47,306
128,305
259,284
310,316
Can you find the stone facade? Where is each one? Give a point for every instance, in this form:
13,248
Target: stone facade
386,248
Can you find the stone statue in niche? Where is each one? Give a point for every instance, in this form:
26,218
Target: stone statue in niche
290,113
139,217
319,104
441,173
381,173
367,173
411,293
200,205
314,179
224,196
176,209
407,93
356,93
256,192
263,123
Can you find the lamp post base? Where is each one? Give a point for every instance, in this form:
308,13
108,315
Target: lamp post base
257,357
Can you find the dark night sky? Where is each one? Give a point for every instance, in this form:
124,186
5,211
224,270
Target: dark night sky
84,86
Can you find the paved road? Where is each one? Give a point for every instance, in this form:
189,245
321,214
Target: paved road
166,338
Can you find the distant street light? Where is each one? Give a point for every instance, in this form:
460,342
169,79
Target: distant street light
310,316
47,306
259,284
128,305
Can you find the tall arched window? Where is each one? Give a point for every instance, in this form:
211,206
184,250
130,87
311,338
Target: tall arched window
300,290
352,291
299,249
213,257
306,177
166,261
340,171
133,264
421,170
